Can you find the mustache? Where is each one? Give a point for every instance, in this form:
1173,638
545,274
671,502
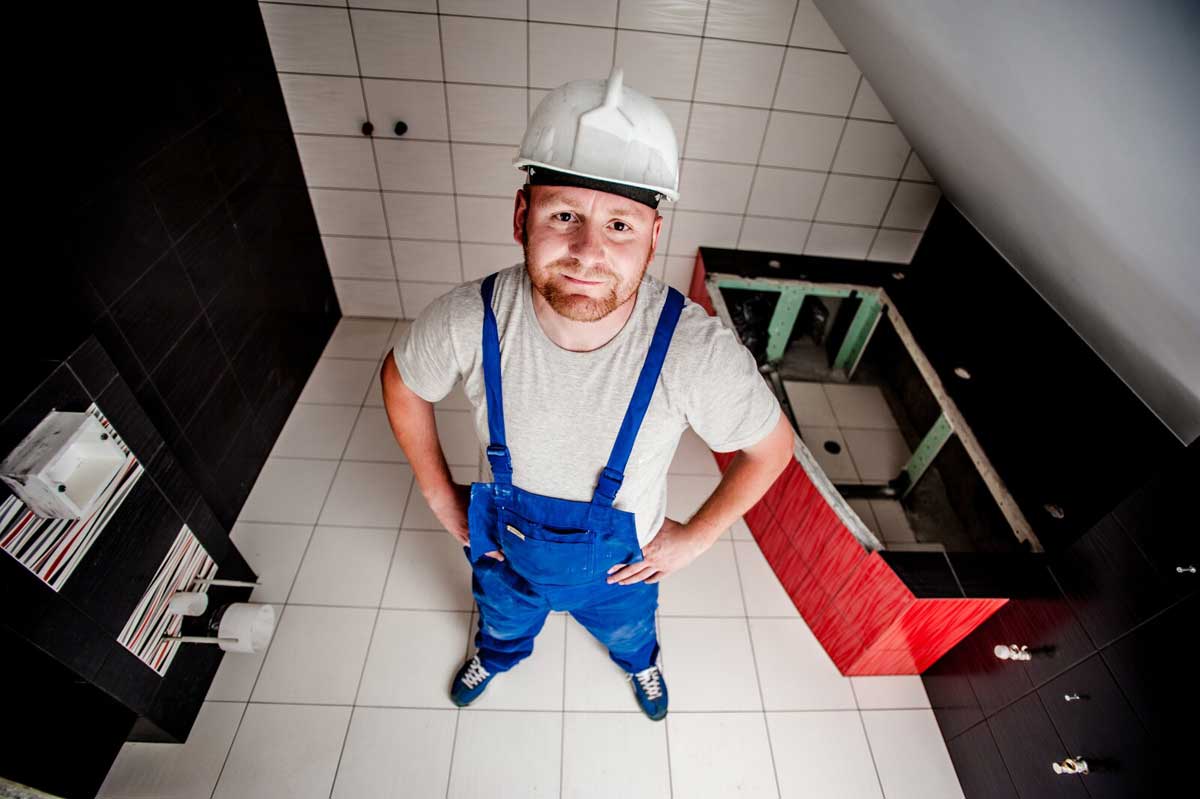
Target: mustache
575,268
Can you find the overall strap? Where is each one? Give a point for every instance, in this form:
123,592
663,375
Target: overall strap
614,473
497,451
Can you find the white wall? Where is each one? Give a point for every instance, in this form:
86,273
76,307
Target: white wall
785,147
1068,132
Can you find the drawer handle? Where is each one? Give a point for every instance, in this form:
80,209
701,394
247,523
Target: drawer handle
1012,652
1187,569
1071,765
1071,697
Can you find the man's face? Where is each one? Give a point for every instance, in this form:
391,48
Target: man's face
585,250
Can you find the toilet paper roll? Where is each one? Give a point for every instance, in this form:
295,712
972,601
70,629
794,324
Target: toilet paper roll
246,628
188,603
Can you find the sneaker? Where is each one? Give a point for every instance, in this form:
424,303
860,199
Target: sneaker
469,683
651,692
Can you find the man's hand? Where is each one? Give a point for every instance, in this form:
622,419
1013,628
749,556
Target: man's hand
451,511
674,547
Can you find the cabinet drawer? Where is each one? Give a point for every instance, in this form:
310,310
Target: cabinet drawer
1095,722
1029,743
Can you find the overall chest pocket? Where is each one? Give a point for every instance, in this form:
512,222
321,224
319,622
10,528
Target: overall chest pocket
546,554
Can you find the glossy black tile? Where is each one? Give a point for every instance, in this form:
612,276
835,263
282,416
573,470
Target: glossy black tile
157,310
981,771
189,371
1028,744
926,574
92,366
211,252
224,412
181,183
1111,585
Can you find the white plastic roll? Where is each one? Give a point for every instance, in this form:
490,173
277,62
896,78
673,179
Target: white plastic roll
188,603
246,628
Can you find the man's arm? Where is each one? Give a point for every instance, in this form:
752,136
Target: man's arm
415,428
750,474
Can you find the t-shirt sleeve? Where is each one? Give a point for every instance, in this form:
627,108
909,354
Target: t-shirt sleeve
425,353
730,405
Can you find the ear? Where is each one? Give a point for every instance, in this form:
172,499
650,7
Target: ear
658,220
520,214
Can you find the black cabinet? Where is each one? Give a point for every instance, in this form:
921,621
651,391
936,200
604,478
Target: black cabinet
1029,745
1096,723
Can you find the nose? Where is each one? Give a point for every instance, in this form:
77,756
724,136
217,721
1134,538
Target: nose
588,246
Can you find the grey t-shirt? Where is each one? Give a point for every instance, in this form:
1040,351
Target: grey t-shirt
562,409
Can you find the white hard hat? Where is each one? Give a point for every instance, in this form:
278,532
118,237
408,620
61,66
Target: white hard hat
601,134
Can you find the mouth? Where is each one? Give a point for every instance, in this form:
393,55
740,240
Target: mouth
579,282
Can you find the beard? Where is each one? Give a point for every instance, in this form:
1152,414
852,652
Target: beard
567,301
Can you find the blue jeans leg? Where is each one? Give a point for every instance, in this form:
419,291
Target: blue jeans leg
622,618
511,615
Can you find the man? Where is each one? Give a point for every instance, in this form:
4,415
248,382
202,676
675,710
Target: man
583,373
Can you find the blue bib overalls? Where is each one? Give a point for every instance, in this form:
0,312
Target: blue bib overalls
558,551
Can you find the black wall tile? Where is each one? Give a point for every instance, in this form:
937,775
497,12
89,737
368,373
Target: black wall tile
189,371
156,310
211,252
1110,584
1029,743
181,183
224,412
981,771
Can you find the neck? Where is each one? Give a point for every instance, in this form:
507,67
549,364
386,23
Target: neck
580,336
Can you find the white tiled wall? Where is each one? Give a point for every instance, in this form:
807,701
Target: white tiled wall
785,146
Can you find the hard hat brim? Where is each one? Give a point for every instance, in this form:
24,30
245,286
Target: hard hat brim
667,193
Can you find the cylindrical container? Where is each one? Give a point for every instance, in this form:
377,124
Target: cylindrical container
188,603
246,628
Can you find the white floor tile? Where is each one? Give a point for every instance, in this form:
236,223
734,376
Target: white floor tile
764,593
686,493
418,516
284,752
236,675
593,681
176,771
396,752
413,657
338,381
889,692
893,523
535,683
503,755
360,338
740,532
860,406
693,456
374,398
796,672
344,566
429,572
289,490
822,755
456,431
708,586
719,755
809,404
708,664
878,455
829,448
910,755
316,656
273,552
614,754
368,495
373,439
315,431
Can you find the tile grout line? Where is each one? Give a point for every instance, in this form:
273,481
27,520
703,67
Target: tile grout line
832,161
757,677
867,737
762,143
449,132
891,199
378,609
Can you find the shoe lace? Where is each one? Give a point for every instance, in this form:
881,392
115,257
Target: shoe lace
475,673
651,682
